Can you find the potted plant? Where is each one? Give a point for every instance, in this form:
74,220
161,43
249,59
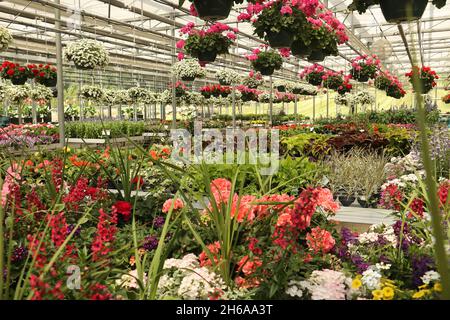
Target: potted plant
5,38
180,89
206,44
44,74
138,94
253,80
332,80
365,68
313,74
346,87
266,62
227,77
41,94
211,10
15,72
215,90
382,81
87,54
248,94
395,90
427,79
300,49
93,93
278,22
280,85
397,11
188,70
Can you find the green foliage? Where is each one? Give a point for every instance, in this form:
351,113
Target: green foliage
307,144
268,60
211,42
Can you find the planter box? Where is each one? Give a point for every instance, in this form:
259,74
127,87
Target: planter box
360,219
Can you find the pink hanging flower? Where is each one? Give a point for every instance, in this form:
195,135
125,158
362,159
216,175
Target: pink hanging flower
286,9
180,44
180,56
285,52
193,11
231,35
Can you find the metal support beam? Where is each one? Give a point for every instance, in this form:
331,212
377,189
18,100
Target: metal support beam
60,74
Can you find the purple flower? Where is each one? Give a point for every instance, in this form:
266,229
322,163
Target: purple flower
359,263
70,229
150,243
19,254
420,265
158,222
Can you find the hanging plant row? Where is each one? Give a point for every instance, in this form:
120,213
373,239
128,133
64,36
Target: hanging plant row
207,43
365,67
87,54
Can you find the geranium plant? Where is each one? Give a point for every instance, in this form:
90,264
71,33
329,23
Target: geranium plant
248,94
5,38
206,44
188,70
215,90
15,72
313,74
332,80
227,77
44,74
265,62
180,89
253,80
346,87
427,78
87,54
365,67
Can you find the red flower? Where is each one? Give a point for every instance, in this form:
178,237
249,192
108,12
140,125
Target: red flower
124,208
10,72
42,74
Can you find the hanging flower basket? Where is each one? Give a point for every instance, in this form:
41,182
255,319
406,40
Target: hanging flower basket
332,80
282,39
427,78
87,54
313,74
403,10
316,56
19,80
300,49
207,56
266,62
15,72
188,79
227,77
212,10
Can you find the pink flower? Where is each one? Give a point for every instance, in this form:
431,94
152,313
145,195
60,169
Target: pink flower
177,204
285,52
286,9
231,36
320,240
193,11
180,44
180,56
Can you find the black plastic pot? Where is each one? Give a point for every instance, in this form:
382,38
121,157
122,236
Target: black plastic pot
297,91
299,49
212,10
403,10
266,71
281,89
346,200
18,81
82,67
47,82
188,79
207,56
363,78
282,39
316,56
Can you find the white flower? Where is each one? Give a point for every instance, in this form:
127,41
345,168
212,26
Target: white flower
294,289
364,98
188,68
326,285
93,93
430,276
228,77
368,237
138,94
371,278
41,93
382,266
17,94
87,53
5,38
130,280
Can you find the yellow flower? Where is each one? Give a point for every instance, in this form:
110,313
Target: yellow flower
437,287
67,149
424,286
419,294
356,283
377,294
388,293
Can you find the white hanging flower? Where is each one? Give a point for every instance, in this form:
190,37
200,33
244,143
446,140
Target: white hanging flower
346,99
228,77
17,94
188,68
92,93
301,88
138,94
41,93
264,97
364,98
121,97
87,54
108,97
5,38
